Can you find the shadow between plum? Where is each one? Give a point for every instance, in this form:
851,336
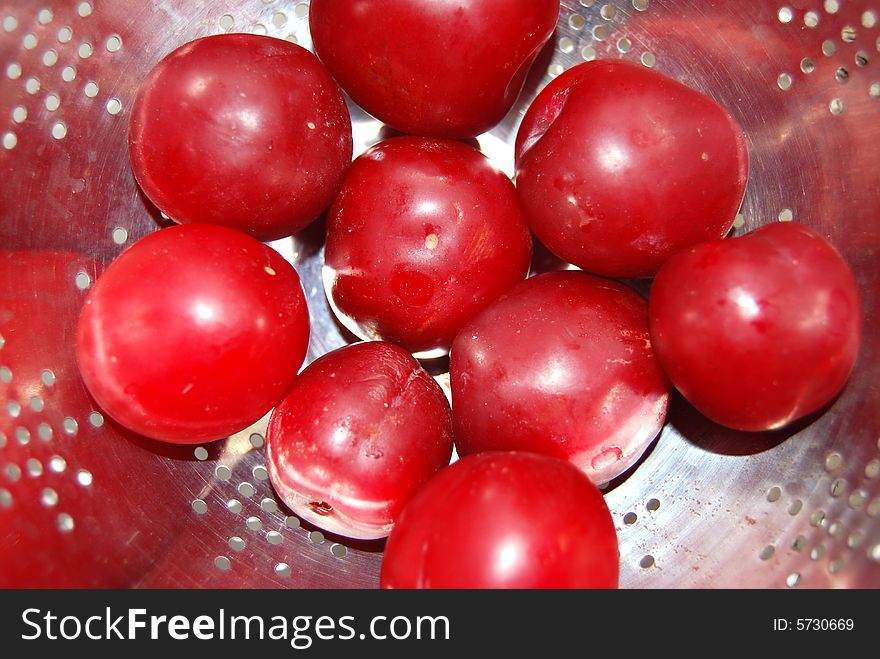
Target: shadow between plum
167,450
712,437
705,434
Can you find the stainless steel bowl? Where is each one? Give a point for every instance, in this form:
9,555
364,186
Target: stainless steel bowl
82,502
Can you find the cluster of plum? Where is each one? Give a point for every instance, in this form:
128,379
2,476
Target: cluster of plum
559,381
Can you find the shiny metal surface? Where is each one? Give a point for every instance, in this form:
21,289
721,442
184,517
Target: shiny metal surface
707,507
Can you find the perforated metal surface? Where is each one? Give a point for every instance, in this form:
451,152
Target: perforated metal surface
707,507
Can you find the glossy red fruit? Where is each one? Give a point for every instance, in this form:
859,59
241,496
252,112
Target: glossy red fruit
441,69
757,331
362,428
193,333
241,130
619,167
504,520
561,365
423,235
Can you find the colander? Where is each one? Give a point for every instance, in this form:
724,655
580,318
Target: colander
84,503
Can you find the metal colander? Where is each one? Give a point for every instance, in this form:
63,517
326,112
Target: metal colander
84,503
